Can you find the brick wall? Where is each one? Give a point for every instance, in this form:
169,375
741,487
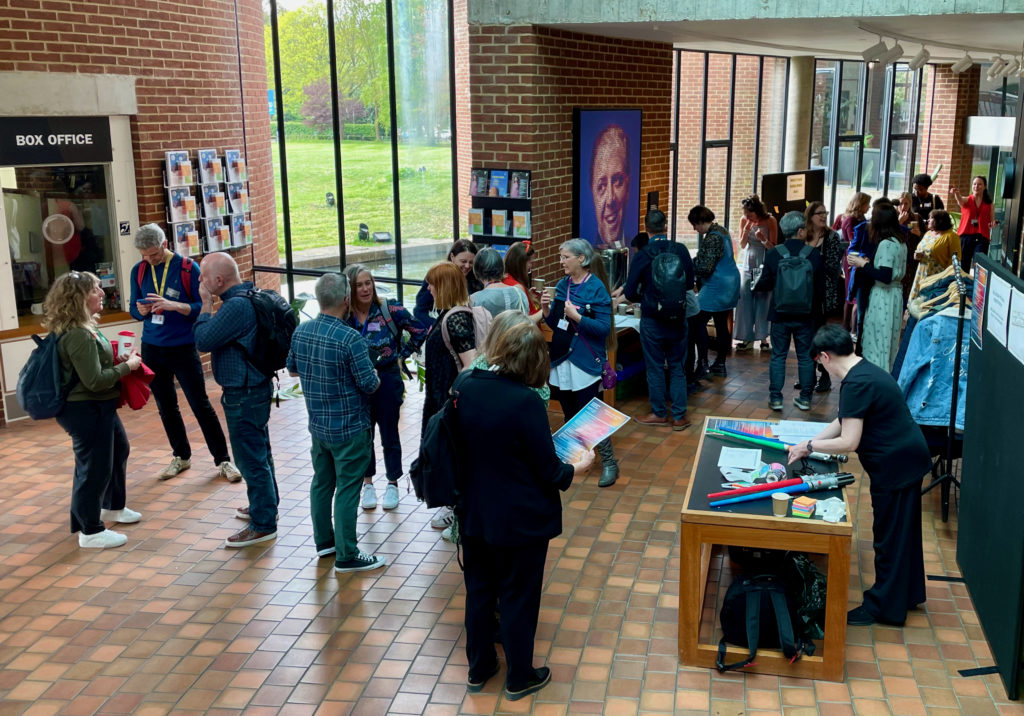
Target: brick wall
194,76
944,130
524,82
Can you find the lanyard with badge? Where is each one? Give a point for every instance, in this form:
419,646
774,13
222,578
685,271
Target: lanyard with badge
563,323
158,318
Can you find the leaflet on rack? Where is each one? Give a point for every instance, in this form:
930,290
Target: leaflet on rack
595,422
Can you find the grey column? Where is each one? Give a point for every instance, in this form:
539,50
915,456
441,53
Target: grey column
799,106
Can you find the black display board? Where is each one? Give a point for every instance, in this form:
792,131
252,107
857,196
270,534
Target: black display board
990,538
792,191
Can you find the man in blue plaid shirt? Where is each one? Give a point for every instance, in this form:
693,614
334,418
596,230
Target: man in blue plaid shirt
333,363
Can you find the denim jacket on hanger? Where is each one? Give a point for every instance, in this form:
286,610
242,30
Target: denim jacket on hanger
927,375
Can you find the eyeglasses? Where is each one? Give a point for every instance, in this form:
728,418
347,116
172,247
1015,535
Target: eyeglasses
821,213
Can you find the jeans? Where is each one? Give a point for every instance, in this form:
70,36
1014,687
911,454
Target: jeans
385,403
101,456
337,479
247,411
802,333
723,338
661,341
182,362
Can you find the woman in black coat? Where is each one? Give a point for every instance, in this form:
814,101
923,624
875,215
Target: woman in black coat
510,506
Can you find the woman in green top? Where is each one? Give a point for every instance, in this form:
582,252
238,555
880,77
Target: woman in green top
90,415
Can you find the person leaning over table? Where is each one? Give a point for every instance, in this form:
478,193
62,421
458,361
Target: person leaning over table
875,422
580,316
90,414
381,323
510,506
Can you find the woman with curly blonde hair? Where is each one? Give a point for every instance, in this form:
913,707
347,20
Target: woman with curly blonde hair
90,415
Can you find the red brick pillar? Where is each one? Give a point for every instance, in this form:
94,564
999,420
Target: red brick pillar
947,102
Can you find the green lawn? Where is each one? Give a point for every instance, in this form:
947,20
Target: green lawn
366,170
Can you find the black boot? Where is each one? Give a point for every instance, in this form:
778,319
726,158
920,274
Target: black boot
609,465
824,381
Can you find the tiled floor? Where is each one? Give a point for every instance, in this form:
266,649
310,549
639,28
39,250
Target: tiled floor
174,623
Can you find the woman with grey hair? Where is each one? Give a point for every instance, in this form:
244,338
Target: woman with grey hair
381,323
580,315
496,296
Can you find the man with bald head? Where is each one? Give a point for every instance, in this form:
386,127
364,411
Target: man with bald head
609,184
230,337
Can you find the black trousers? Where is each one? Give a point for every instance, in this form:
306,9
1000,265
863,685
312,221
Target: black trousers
514,575
572,401
723,336
101,458
972,244
899,556
182,362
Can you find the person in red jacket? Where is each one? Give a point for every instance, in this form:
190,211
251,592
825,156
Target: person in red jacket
975,220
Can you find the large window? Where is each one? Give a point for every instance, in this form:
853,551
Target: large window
363,129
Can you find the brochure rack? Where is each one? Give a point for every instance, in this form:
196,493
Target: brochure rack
498,218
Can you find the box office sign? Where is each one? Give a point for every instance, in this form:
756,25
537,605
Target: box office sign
54,140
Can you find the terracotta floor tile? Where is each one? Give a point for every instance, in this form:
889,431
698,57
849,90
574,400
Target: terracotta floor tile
173,623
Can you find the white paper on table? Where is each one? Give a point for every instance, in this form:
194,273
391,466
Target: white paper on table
743,458
1015,338
998,300
627,322
794,431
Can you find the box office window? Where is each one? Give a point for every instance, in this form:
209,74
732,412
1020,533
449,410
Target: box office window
58,218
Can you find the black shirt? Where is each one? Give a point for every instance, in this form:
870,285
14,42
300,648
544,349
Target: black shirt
892,447
770,270
925,206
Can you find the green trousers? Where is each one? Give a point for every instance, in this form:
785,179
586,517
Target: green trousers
338,471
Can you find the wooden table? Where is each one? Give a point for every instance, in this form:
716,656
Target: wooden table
751,524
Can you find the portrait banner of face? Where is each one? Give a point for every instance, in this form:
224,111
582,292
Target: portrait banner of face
607,176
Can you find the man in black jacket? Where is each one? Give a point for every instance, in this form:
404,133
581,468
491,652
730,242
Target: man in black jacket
660,274
796,273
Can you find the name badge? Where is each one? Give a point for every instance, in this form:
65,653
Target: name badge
173,293
157,318
375,326
563,324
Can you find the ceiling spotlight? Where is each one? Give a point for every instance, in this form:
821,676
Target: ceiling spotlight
1011,69
875,51
963,64
998,63
920,59
892,56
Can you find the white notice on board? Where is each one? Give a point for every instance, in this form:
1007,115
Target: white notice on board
998,300
795,187
1015,339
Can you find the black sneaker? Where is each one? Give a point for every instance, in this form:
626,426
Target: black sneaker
541,679
859,616
718,369
475,686
362,562
326,550
824,384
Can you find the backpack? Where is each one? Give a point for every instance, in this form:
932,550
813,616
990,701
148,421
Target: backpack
39,390
794,281
275,323
436,472
750,604
186,275
668,281
482,319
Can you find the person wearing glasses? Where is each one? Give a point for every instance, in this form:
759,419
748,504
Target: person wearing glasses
759,232
98,491
875,422
827,241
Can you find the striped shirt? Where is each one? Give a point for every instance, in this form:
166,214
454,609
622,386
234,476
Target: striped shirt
337,375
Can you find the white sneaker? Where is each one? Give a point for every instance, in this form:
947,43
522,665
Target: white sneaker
101,540
446,535
391,497
177,466
442,518
369,500
124,516
229,472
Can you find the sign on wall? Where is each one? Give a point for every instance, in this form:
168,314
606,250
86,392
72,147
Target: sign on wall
54,140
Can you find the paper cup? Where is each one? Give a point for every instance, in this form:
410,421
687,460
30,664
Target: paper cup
780,504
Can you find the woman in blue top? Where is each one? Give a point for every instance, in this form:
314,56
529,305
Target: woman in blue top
581,317
381,324
719,282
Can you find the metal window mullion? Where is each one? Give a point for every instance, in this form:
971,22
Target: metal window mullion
890,101
332,51
275,43
728,151
452,127
833,132
703,133
757,121
393,108
675,144
785,117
